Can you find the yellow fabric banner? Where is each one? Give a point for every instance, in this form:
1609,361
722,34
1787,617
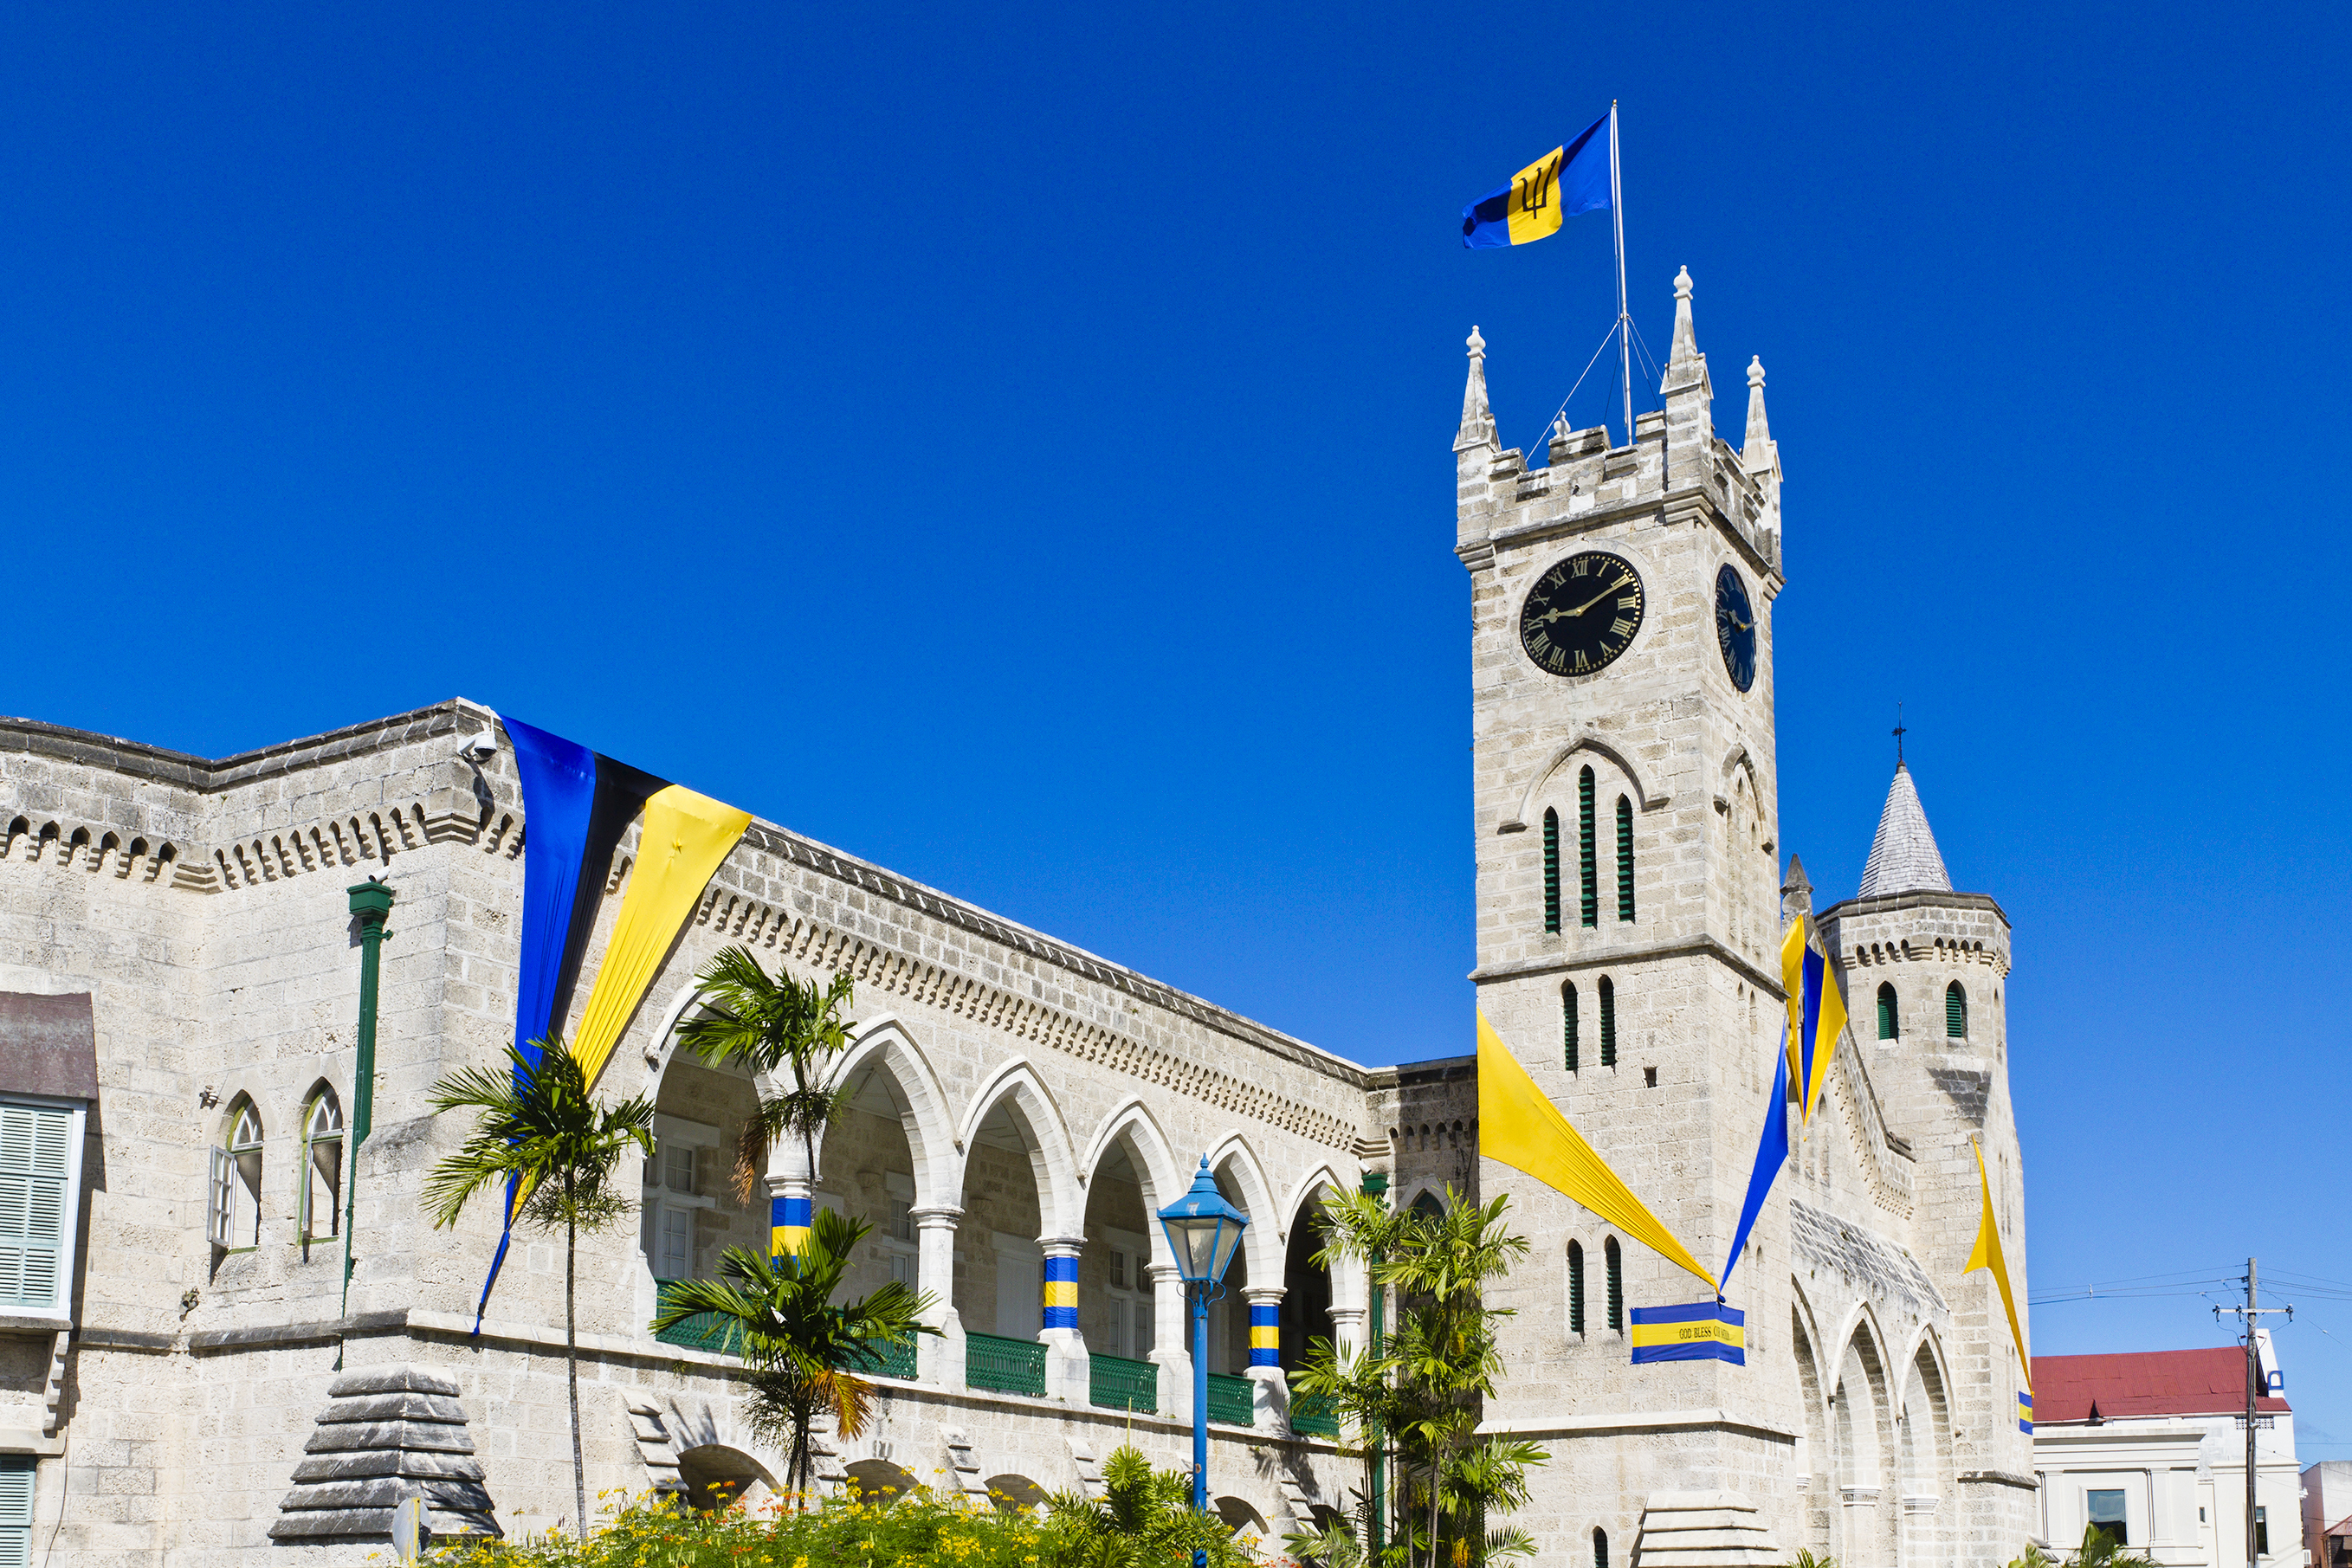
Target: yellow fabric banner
1519,1126
684,838
1986,1255
1792,986
1830,1024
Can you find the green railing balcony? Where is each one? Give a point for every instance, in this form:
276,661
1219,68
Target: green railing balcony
1313,1416
1229,1400
704,1331
1120,1384
1006,1365
880,1359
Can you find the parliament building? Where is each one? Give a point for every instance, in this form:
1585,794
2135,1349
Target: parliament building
189,1379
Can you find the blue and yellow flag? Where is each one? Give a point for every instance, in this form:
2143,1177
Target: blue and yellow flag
2025,1411
1703,1330
1985,1254
1566,181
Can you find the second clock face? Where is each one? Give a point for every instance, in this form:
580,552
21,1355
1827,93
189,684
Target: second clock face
1582,613
1735,627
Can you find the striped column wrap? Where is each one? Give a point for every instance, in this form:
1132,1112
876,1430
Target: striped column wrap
2025,1412
1265,1336
1061,1292
788,1225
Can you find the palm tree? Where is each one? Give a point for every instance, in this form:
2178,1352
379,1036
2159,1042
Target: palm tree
775,1025
801,1350
1143,1516
538,1126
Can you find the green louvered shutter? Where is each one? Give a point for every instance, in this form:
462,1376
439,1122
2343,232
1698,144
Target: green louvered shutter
1956,1011
1886,1012
33,1147
1587,879
1575,1288
15,1509
1607,1023
1552,869
1624,859
1568,1023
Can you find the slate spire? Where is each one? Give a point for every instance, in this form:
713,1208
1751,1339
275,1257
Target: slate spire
1904,857
1478,420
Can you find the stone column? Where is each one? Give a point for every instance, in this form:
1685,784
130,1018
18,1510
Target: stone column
1350,1305
1270,1391
1070,1374
939,1359
1172,1340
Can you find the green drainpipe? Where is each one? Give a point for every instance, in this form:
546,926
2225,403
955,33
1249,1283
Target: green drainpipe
1377,1183
370,904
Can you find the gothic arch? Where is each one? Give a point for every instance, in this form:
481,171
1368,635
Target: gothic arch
1642,796
1163,1179
1061,1201
1264,1246
1294,1207
883,1041
695,1423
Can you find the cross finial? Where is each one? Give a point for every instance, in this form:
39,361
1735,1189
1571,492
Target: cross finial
1898,735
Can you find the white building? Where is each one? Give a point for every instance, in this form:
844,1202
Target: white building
2154,1443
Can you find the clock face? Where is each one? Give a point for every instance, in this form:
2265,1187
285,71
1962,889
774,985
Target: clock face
1582,613
1735,627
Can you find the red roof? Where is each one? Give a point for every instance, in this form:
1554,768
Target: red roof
2144,1383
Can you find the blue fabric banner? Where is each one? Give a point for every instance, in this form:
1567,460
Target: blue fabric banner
1703,1330
559,790
1772,1154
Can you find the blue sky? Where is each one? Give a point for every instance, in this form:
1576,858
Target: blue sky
1013,447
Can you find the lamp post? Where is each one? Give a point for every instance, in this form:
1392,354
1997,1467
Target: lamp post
1203,1231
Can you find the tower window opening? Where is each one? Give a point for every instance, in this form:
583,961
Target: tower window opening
1886,1020
1575,1288
1552,869
1589,884
1600,1549
1608,1022
1613,1261
1567,1024
1956,1011
1624,859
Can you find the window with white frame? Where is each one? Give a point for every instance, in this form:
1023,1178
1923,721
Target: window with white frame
322,1205
671,1200
1126,1310
39,1164
233,1214
899,1246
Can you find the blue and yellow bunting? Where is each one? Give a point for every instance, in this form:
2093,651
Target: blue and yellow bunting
1702,1330
1061,1292
2025,1412
1265,1336
788,1225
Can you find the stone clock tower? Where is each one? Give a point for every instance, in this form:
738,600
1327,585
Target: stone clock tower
1629,907
1628,911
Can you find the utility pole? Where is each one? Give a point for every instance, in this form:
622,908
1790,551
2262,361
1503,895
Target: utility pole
2252,1314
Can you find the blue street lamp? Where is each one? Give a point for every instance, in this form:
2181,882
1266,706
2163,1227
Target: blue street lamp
1203,1231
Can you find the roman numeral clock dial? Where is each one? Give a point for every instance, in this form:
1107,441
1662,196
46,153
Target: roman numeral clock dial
1582,613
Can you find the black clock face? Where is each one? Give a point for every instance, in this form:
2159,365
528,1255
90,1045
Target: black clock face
1735,627
1582,613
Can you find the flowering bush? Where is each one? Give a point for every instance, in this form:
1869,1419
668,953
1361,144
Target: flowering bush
915,1531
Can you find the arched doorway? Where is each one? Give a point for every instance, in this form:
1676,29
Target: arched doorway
1015,1494
718,1477
879,1481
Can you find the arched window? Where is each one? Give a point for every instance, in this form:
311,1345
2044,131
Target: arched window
1568,1023
1956,1011
1575,1288
1608,1022
1614,1259
1624,859
1600,1549
322,1167
1588,884
1552,869
1886,1028
233,1214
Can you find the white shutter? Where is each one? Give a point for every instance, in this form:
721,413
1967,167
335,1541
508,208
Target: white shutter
33,1201
216,1207
15,1511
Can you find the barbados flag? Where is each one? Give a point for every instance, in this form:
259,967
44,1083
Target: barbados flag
2025,1412
1703,1330
1564,182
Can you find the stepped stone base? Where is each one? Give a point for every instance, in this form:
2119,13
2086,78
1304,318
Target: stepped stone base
387,1433
1703,1529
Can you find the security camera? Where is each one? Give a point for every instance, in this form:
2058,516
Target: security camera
481,747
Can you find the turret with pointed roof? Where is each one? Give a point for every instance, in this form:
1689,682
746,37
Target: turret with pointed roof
1904,857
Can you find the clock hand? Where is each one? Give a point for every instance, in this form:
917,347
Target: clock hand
1595,598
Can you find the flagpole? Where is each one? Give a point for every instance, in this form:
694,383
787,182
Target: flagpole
1624,317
